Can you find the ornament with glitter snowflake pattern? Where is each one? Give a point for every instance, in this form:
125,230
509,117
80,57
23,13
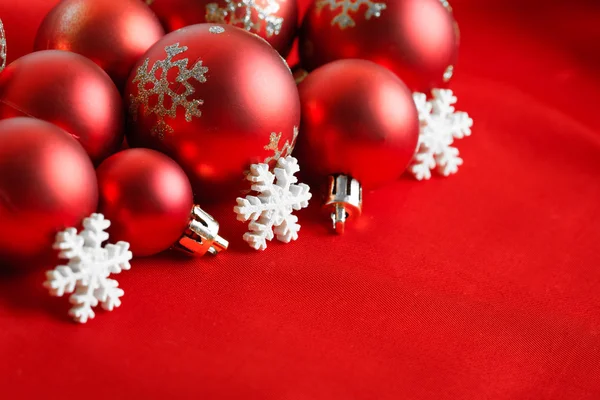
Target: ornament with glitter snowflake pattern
345,8
247,14
161,88
88,269
440,125
270,213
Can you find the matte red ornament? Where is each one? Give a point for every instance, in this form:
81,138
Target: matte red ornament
113,34
149,201
216,99
359,126
276,21
47,183
416,39
70,91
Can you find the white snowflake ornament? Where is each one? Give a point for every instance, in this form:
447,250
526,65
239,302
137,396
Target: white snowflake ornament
270,213
88,269
440,125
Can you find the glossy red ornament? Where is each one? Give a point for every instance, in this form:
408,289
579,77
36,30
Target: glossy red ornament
113,34
358,120
276,21
70,91
149,201
416,39
47,183
216,99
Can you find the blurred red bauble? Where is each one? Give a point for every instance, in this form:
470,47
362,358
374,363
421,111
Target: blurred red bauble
47,183
148,199
113,34
359,120
21,21
70,91
276,21
416,39
216,99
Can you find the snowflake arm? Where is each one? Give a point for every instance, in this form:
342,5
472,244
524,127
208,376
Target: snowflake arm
270,211
241,13
346,7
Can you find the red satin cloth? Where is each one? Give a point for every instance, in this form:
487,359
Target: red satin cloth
485,285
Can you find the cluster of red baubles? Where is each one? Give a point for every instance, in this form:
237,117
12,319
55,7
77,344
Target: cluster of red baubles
200,104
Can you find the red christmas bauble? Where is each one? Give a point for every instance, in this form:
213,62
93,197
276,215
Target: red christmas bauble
216,99
147,197
416,39
21,21
113,34
70,91
358,119
47,183
276,21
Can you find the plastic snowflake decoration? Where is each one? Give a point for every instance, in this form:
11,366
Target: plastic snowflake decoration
88,269
343,18
270,213
247,14
161,87
440,125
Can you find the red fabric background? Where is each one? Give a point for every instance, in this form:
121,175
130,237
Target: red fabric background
485,285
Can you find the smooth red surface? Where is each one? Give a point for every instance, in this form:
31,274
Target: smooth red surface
69,91
484,285
358,119
47,183
247,95
147,197
113,34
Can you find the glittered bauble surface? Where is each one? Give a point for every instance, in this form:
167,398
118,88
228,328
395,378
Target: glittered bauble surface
147,197
70,91
47,183
416,39
358,119
2,47
274,20
216,99
113,34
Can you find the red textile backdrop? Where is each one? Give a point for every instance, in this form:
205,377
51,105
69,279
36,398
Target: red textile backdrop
485,285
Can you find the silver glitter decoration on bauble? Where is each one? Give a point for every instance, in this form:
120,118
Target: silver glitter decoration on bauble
346,7
449,73
2,47
161,88
216,29
278,149
241,13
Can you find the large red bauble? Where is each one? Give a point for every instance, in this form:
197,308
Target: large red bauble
416,39
70,91
358,119
274,20
47,183
216,99
112,33
147,197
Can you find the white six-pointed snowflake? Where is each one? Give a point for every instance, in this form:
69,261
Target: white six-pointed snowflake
270,213
161,87
440,124
346,7
88,269
247,14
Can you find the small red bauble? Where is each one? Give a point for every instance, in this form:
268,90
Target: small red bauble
70,91
113,34
416,39
359,120
47,183
149,201
276,21
216,99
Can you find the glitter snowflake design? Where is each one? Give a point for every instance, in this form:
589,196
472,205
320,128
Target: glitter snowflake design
247,14
88,269
278,150
161,87
440,125
346,7
2,47
270,213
